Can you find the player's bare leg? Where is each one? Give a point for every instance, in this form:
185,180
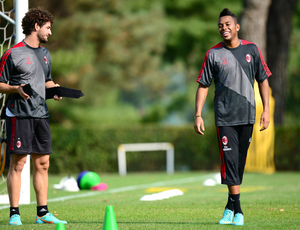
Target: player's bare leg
40,184
40,177
234,189
17,163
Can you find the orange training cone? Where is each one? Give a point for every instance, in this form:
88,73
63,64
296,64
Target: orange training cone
110,222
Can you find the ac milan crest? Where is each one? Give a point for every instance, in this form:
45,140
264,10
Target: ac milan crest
224,140
45,59
18,144
248,58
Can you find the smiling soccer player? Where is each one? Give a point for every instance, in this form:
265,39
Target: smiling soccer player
234,65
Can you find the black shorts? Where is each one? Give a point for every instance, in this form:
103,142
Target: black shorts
28,135
234,142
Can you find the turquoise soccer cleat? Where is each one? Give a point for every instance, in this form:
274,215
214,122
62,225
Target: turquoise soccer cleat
238,219
227,217
15,220
48,219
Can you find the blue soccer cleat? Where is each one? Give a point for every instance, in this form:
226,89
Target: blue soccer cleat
238,219
227,217
48,219
15,220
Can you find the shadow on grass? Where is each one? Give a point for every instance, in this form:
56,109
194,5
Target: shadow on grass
145,222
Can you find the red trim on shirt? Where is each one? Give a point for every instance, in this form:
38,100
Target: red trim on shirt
266,68
219,45
20,44
223,170
6,54
3,60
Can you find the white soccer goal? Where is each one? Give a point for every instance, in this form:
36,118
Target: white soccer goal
123,148
20,8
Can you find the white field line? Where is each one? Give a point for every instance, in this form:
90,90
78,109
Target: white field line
128,188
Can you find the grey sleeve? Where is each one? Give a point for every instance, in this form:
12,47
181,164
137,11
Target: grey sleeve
48,77
207,71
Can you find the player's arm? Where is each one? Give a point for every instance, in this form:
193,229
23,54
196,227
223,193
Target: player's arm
50,84
264,94
5,88
200,100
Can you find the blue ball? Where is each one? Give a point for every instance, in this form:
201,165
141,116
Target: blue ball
80,175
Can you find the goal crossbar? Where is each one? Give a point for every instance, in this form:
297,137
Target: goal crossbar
166,146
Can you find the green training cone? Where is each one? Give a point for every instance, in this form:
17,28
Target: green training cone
60,226
110,222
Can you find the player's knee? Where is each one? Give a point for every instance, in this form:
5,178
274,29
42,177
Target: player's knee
43,166
17,163
18,166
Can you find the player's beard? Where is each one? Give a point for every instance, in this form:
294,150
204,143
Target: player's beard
42,38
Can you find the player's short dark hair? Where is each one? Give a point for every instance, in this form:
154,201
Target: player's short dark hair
36,15
227,12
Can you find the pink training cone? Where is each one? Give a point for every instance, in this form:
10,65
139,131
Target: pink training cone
100,187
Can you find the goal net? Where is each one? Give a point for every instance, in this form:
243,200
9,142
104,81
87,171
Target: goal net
11,14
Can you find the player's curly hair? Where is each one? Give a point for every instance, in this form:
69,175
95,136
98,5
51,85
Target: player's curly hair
36,15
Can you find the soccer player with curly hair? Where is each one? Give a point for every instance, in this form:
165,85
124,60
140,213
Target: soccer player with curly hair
25,72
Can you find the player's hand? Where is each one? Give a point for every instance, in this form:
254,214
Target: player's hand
55,96
199,125
22,93
264,121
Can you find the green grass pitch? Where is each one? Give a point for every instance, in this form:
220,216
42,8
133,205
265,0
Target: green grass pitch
268,201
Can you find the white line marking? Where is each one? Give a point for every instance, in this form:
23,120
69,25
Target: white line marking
127,188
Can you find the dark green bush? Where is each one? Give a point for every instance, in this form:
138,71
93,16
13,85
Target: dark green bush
95,149
287,148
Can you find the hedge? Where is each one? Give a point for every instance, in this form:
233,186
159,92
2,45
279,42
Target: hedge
95,149
287,148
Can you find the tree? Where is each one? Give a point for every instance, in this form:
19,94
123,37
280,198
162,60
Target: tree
112,50
293,93
278,38
268,23
254,22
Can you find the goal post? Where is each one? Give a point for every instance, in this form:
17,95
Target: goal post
123,148
21,7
